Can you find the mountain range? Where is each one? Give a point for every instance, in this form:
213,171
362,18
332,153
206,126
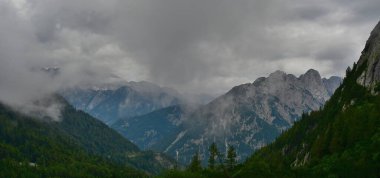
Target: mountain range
111,102
251,115
248,116
304,126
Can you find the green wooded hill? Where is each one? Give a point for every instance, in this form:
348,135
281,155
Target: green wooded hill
342,139
99,139
77,146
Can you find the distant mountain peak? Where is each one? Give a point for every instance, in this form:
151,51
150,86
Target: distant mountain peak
110,102
311,74
277,75
312,71
334,78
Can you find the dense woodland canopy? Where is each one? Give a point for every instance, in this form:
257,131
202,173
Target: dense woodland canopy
35,148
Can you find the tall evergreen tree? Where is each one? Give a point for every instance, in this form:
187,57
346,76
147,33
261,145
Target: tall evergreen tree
231,157
195,164
213,155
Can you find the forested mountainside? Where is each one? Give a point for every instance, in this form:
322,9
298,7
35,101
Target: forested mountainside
78,145
340,140
34,148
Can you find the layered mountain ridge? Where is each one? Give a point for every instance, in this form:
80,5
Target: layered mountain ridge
109,103
251,115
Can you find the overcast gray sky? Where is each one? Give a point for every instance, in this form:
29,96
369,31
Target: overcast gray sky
196,46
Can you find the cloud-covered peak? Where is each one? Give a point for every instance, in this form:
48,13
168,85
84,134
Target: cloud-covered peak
200,46
277,73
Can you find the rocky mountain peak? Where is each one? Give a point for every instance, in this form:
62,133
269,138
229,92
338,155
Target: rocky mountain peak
370,77
311,74
253,114
277,74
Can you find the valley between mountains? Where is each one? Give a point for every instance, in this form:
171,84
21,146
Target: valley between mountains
248,117
189,89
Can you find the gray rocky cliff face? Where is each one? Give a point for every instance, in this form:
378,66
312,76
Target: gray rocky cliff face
371,57
252,115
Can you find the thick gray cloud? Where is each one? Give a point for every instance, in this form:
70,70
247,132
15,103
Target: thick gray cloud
197,46
25,81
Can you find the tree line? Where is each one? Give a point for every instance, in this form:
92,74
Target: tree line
219,165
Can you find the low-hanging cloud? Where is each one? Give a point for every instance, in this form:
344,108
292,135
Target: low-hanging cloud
26,79
188,44
198,46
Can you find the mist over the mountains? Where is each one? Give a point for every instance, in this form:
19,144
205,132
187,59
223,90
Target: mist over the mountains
206,44
26,78
201,46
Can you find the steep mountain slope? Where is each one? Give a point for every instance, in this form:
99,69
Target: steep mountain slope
79,132
151,130
251,115
109,103
98,139
35,148
340,140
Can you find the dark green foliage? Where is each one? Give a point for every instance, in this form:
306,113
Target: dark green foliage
377,88
195,164
231,158
205,173
340,140
33,148
213,156
181,174
195,170
98,139
94,136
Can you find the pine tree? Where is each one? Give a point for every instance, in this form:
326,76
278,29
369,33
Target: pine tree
231,157
195,164
213,155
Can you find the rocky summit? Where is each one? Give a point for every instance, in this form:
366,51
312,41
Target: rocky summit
251,115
